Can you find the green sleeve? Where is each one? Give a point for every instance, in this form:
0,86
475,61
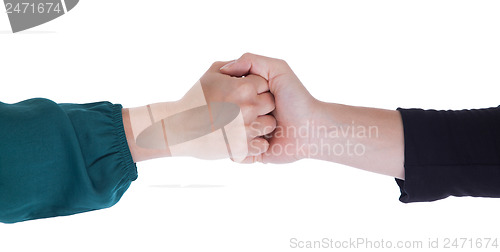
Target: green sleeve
61,159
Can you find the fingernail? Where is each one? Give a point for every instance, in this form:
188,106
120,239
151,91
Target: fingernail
227,65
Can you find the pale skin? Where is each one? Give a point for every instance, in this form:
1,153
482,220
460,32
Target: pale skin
366,138
250,93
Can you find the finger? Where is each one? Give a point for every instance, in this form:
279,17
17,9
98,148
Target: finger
261,84
252,159
217,65
265,103
257,146
254,64
263,125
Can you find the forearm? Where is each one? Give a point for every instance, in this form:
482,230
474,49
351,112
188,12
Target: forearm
367,138
212,121
136,120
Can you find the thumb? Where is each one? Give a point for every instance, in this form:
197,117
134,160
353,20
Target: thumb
252,64
235,68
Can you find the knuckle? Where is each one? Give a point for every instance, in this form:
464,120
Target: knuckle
253,128
217,63
269,101
246,89
274,123
265,145
269,125
273,105
248,114
282,62
247,55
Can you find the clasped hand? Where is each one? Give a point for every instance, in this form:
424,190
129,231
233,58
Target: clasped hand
255,109
273,101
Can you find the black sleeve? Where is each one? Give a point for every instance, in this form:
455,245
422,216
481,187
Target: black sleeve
450,153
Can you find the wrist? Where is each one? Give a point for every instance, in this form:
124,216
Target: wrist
129,134
300,134
327,133
138,119
183,128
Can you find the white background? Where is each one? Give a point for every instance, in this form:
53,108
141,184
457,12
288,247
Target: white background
386,54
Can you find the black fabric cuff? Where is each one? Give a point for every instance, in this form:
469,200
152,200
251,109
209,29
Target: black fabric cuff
450,153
